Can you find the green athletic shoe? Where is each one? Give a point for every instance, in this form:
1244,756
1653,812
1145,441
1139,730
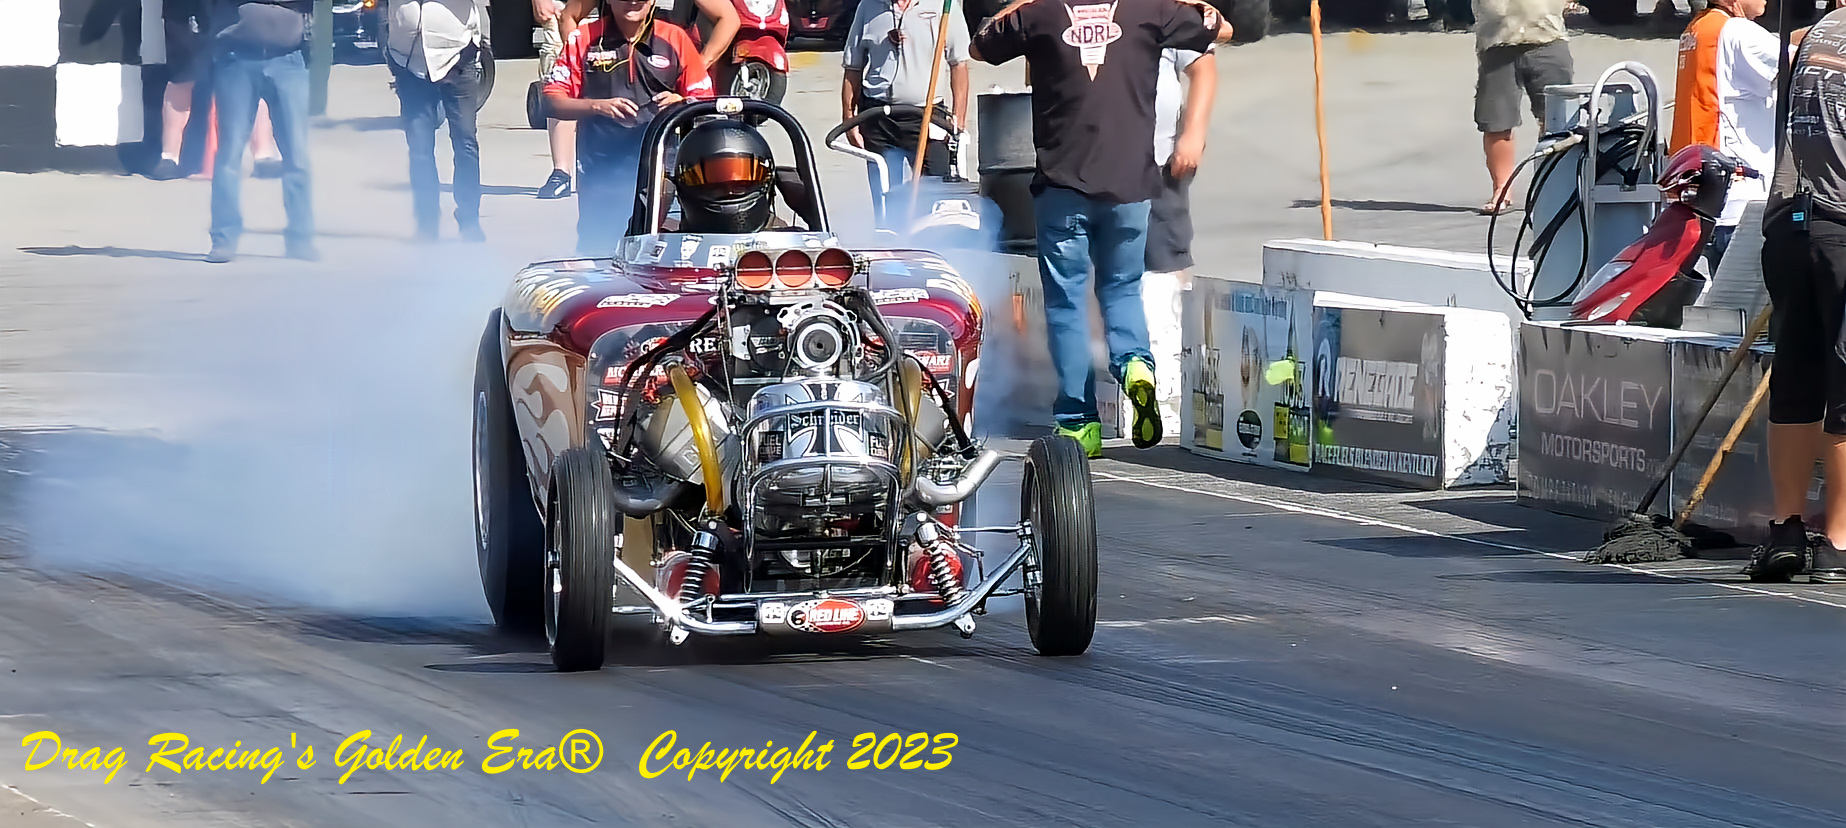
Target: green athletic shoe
1088,435
1138,386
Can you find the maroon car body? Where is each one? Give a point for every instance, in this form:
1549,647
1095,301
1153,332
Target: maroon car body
760,432
566,325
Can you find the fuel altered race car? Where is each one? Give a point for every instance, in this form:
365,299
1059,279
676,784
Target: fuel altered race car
753,433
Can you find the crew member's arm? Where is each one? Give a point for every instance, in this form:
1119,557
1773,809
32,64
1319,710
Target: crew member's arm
725,24
582,109
1192,25
1001,38
1201,90
850,85
855,53
575,11
849,103
694,80
957,56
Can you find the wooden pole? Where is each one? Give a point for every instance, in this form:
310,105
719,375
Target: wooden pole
929,104
1320,127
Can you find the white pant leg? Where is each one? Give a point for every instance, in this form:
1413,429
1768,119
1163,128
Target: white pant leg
1161,294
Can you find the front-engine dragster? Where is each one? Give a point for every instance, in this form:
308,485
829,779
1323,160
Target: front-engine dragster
758,432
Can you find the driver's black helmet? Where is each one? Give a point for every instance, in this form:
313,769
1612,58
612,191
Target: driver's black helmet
724,173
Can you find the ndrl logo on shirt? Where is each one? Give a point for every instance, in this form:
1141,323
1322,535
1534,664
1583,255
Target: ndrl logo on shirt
1092,29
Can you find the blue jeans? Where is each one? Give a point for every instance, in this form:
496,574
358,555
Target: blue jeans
1076,233
237,84
897,162
423,106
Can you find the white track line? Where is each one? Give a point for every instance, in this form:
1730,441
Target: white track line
1362,520
48,809
1203,619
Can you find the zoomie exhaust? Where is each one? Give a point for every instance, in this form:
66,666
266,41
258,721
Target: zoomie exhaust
931,493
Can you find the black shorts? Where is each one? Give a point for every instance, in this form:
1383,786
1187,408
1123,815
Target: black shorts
1169,226
1806,277
901,132
184,52
1509,73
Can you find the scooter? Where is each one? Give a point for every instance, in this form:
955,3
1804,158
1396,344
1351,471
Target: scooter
955,220
1653,280
759,52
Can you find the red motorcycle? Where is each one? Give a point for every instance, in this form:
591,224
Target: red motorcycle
1651,281
758,65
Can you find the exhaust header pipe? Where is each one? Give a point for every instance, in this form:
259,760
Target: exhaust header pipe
933,494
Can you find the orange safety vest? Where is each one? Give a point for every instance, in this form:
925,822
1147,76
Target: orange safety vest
1695,93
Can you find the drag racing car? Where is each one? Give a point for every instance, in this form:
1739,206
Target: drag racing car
753,433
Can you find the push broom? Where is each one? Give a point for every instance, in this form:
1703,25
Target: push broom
1641,537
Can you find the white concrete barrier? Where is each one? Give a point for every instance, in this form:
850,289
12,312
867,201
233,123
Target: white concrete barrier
1601,408
1403,274
1347,385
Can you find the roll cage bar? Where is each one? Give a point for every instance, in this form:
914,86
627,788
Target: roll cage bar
646,218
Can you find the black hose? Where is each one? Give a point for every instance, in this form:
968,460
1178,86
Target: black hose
861,303
1622,156
1494,220
644,366
1627,148
948,406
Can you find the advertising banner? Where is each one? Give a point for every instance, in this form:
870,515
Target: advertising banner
1377,399
1740,494
1248,380
1595,417
1201,410
1741,498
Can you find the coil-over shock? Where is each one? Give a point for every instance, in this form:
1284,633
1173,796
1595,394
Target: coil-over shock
704,552
941,550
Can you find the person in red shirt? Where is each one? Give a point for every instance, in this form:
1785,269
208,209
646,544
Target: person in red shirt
616,73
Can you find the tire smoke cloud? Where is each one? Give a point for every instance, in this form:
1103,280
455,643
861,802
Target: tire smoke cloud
310,443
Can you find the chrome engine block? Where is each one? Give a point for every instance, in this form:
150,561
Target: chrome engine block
821,447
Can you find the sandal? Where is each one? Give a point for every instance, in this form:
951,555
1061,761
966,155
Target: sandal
1505,205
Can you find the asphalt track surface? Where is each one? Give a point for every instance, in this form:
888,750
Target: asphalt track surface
1264,658
1274,651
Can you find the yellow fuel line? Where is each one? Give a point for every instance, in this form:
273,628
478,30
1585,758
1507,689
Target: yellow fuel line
688,394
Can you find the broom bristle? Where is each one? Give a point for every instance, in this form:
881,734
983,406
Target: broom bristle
1640,539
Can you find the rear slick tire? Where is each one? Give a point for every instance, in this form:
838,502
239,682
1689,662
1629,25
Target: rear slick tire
536,111
1057,498
487,80
509,539
579,582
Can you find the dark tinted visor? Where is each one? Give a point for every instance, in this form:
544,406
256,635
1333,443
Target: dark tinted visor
724,173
